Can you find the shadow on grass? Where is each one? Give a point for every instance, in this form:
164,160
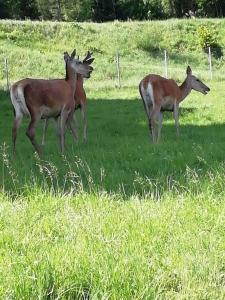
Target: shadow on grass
118,157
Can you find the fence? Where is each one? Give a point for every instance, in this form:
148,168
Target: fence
122,71
171,65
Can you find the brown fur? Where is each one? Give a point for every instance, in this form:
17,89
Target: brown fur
47,98
162,87
160,94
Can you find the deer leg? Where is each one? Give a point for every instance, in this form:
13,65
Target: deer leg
160,120
31,133
84,116
57,128
63,120
154,116
71,123
46,123
148,111
15,128
176,117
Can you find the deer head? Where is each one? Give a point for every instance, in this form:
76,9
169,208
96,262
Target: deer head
78,66
195,83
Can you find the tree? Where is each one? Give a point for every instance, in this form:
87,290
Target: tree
50,9
78,10
28,9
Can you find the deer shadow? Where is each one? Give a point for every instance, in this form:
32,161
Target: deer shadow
119,148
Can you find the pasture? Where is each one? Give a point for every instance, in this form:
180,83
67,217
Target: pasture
117,217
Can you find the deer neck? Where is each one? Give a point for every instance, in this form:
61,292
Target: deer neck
71,76
79,77
185,89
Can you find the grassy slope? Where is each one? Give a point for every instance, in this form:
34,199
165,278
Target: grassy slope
35,49
166,240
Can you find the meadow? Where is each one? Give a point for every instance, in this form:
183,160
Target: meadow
116,217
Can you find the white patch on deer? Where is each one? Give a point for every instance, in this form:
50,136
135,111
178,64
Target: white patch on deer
18,101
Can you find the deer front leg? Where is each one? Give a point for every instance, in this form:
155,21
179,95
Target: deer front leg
71,124
46,122
63,120
176,117
57,122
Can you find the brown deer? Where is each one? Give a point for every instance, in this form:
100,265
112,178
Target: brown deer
160,94
80,101
41,99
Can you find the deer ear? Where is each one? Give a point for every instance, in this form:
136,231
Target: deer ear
73,53
66,56
189,71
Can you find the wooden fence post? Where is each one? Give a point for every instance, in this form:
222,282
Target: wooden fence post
210,63
6,72
166,63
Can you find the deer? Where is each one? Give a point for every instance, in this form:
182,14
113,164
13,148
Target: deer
80,102
160,94
47,98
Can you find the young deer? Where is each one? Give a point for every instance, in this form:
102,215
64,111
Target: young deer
160,94
80,101
40,99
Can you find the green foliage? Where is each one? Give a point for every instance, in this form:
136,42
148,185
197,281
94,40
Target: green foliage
206,37
108,10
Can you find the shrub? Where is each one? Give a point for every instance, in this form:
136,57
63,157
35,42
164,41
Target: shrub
207,37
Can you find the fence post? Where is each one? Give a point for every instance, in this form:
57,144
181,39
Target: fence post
165,64
210,64
6,72
118,69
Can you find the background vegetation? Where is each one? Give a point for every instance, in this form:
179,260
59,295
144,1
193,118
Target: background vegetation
107,10
116,217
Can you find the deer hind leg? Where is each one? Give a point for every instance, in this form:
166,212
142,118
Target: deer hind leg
153,119
31,133
176,118
160,120
16,124
148,110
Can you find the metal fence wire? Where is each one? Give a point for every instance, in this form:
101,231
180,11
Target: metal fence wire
125,72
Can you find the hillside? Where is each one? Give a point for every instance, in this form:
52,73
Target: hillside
34,49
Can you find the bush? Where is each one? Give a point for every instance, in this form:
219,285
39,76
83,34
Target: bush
207,37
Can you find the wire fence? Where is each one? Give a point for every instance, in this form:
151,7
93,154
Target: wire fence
122,71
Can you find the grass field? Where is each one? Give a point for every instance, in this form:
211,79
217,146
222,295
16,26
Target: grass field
116,217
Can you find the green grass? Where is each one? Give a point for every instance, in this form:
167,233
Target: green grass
116,217
100,247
